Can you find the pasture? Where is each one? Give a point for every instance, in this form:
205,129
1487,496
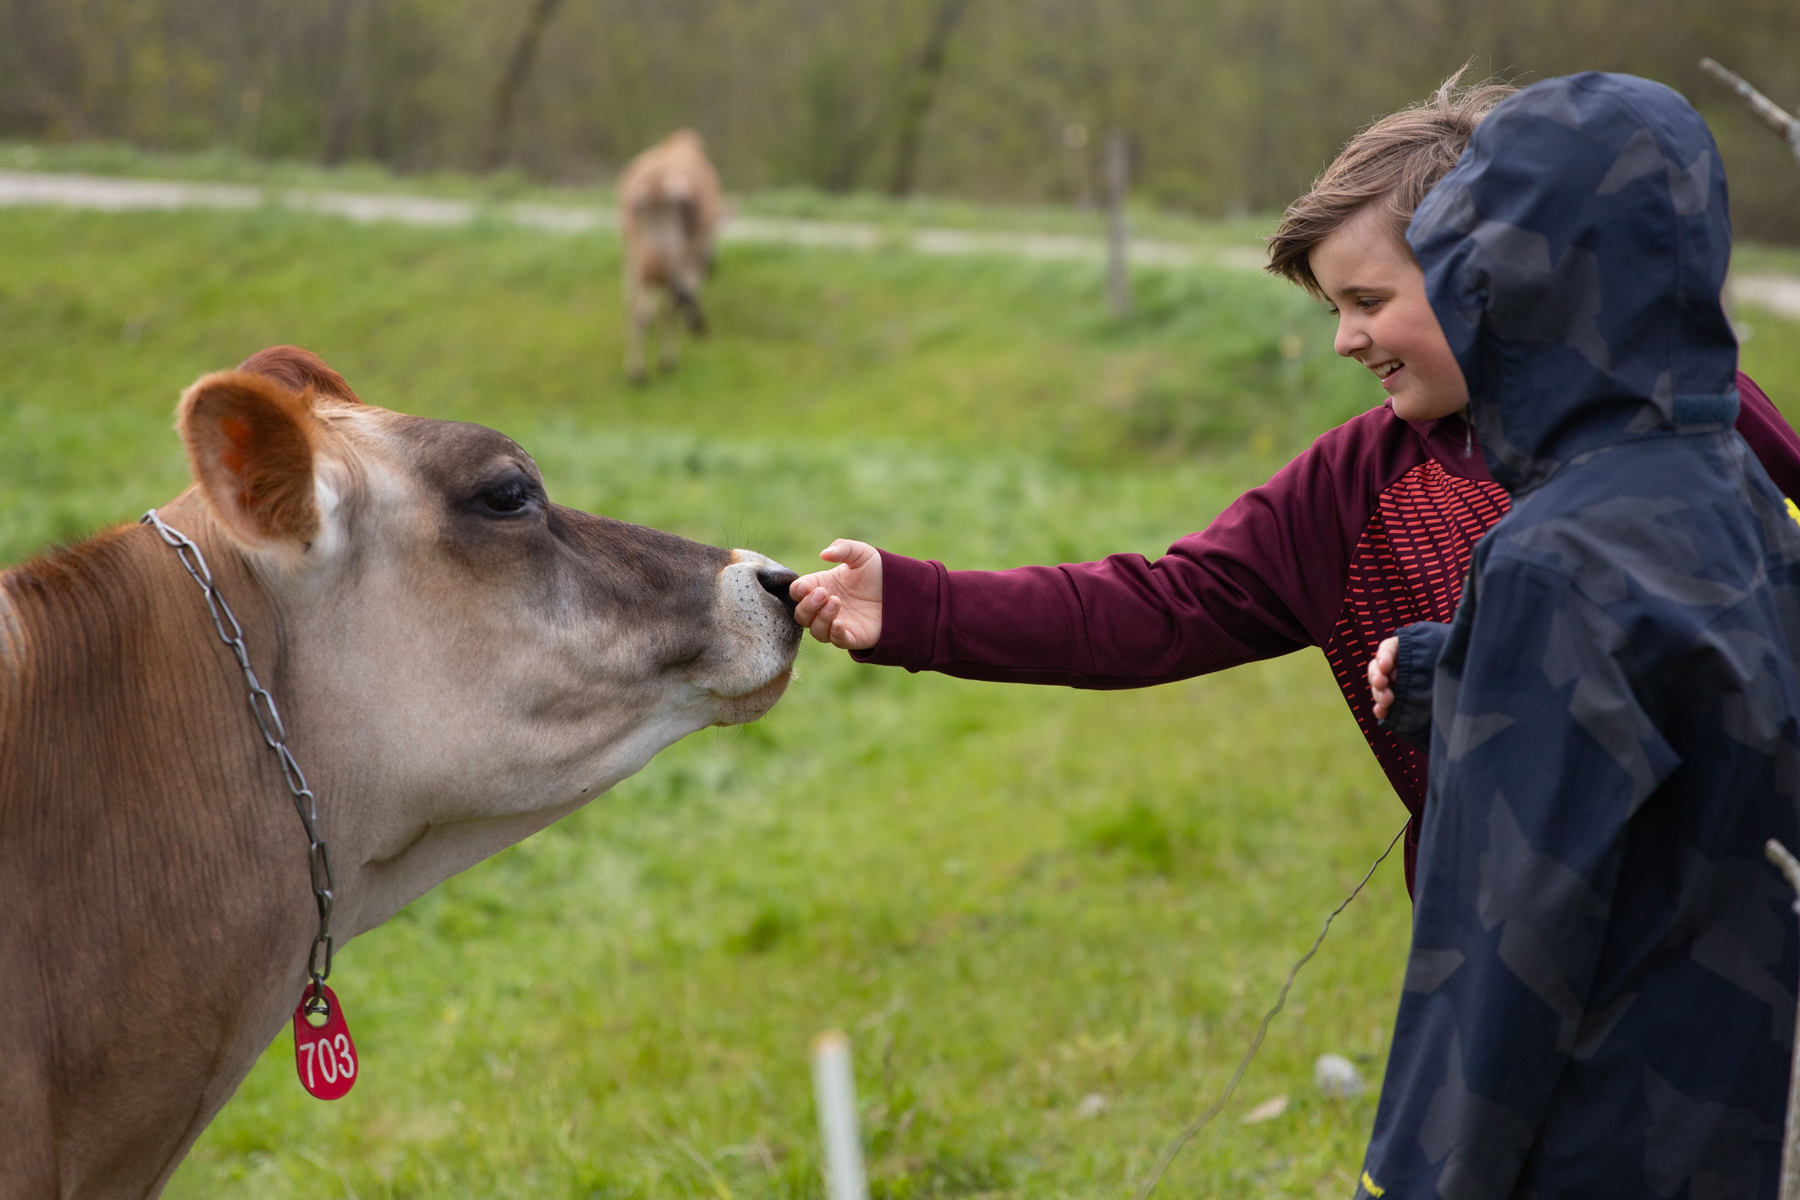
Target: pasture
1013,899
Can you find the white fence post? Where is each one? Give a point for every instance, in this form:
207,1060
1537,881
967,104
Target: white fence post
834,1089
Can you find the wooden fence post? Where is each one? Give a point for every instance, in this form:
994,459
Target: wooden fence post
1118,186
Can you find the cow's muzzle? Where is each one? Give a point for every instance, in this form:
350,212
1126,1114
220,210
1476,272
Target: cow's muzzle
776,580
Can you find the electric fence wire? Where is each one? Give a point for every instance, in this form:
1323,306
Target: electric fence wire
1199,1122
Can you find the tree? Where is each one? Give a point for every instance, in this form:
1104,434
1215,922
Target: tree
920,91
512,81
351,19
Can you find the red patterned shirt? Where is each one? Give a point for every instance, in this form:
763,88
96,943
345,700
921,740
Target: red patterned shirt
1368,530
1407,566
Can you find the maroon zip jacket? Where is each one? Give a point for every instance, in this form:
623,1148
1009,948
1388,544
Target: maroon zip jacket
1368,530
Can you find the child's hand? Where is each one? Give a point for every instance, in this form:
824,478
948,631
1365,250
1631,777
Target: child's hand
1381,675
843,605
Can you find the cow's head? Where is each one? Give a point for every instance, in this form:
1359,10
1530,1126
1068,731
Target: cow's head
461,661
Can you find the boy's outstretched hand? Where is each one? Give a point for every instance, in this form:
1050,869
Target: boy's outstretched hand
843,605
1381,675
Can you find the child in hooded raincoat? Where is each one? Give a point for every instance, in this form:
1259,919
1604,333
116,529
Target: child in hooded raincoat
1600,999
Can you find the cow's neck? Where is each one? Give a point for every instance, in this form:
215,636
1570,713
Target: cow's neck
154,864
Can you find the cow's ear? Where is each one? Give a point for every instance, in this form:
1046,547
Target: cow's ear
297,370
250,445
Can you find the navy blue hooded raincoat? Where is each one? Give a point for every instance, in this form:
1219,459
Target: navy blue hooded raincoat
1599,1000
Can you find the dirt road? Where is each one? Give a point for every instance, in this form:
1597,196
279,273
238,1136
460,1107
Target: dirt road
21,188
1778,293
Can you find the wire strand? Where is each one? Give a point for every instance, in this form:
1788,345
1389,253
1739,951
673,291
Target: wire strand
1199,1122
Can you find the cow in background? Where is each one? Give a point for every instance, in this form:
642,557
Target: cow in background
669,212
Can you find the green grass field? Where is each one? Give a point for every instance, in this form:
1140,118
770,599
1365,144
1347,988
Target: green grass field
1011,898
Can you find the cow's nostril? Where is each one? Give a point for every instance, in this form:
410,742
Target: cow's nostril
775,581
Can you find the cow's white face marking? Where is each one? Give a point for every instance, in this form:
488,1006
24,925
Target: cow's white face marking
469,676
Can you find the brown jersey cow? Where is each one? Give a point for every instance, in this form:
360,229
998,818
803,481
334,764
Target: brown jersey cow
669,213
458,661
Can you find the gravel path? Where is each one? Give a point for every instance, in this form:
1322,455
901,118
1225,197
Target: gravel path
1778,293
20,188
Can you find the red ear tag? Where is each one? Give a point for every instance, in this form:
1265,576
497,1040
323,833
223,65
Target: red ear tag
325,1057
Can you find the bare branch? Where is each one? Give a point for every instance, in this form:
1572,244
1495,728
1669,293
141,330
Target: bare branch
1773,115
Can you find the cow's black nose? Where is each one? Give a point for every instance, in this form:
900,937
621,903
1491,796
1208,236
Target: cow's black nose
775,581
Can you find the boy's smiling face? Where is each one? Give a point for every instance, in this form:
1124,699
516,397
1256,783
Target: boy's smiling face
1384,321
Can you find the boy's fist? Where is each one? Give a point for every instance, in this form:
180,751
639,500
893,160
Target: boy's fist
843,605
1381,675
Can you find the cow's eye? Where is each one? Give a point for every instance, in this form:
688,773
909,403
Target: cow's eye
508,497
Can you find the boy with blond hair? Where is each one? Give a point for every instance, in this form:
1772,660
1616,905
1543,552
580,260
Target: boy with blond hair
1368,530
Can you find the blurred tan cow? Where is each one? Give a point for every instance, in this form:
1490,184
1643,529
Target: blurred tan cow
669,211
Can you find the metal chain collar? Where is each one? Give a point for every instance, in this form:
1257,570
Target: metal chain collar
268,719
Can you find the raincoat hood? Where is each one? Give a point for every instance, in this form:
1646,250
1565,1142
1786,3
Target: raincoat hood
1574,258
